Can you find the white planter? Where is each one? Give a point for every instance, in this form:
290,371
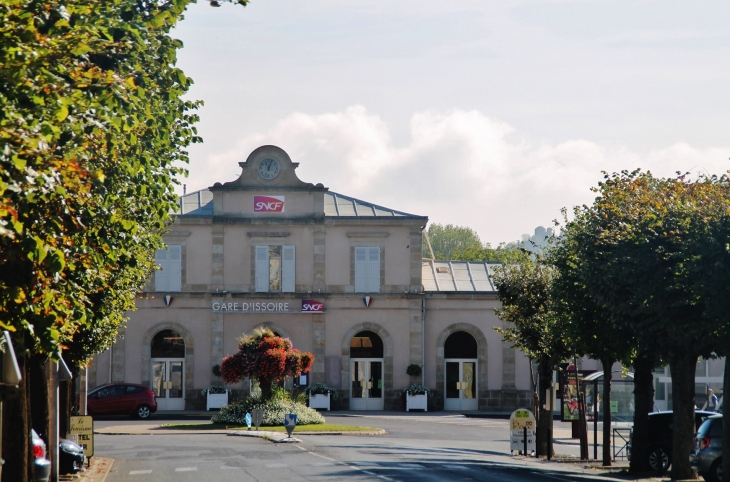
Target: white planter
416,402
319,401
217,400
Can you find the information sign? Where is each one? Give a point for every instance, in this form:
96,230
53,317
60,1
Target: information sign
83,428
522,422
258,417
290,421
248,420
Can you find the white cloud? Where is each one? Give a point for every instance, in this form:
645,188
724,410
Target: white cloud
460,167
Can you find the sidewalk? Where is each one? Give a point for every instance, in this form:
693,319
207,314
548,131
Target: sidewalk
100,467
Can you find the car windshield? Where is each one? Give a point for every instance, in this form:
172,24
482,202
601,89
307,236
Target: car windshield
710,427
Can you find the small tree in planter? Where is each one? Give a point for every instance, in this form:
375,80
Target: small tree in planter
267,358
321,390
417,397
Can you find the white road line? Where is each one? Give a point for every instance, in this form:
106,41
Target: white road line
140,472
186,469
455,467
368,472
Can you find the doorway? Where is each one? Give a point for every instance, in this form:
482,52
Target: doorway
167,370
366,372
460,372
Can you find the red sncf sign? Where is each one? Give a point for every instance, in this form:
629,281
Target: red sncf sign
312,306
268,204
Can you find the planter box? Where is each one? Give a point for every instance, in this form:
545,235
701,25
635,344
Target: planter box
320,401
217,400
416,402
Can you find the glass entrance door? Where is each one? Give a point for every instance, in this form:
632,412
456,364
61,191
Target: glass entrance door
366,384
168,383
461,385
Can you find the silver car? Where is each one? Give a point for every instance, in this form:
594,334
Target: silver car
707,454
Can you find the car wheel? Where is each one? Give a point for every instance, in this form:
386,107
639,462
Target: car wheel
715,474
143,411
659,460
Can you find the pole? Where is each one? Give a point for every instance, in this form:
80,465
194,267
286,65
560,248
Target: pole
595,419
83,390
524,439
550,428
53,415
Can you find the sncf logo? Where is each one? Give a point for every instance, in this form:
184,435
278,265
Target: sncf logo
268,204
312,306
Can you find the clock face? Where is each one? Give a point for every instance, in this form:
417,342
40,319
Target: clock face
268,168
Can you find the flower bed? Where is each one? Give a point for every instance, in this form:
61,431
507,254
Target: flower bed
274,411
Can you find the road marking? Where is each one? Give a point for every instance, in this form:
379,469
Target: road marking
273,466
367,464
411,466
456,467
140,472
368,472
186,469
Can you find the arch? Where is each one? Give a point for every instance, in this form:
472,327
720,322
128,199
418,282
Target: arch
189,353
481,360
366,344
388,393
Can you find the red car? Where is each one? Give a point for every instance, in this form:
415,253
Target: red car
122,399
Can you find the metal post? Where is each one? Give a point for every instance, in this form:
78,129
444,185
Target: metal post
524,435
550,428
83,390
595,419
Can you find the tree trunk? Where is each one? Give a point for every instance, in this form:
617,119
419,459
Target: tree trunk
16,432
643,405
725,425
266,390
607,376
683,399
544,416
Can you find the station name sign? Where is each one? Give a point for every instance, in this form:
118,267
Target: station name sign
307,306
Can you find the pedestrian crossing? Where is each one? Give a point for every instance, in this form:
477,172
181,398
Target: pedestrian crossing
356,464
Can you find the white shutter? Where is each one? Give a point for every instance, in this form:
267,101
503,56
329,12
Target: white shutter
361,269
262,269
374,270
174,263
162,274
288,269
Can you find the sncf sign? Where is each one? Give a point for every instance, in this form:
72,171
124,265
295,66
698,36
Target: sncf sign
268,204
311,306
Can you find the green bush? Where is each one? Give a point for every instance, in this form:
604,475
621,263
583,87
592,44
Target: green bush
274,410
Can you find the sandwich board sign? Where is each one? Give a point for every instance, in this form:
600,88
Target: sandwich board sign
83,428
521,423
290,421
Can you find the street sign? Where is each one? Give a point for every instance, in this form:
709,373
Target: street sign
290,421
258,417
248,420
522,424
83,428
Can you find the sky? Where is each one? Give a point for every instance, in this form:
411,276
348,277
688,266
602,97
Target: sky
487,114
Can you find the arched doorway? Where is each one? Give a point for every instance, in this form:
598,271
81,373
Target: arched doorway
460,372
167,371
366,371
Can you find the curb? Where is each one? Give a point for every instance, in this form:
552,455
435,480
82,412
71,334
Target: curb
229,432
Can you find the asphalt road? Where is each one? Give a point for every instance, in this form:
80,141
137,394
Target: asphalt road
416,448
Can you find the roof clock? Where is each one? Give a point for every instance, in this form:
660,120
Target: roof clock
268,168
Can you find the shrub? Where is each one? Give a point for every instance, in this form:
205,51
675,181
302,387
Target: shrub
417,389
274,411
322,389
413,370
215,389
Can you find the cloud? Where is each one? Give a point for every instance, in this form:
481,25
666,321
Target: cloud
459,167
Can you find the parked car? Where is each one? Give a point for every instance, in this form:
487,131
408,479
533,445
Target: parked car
122,399
661,431
707,454
70,457
41,465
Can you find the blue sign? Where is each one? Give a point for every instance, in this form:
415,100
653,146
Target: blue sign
290,420
248,420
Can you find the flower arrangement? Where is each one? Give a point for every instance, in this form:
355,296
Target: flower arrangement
215,389
322,389
417,389
274,410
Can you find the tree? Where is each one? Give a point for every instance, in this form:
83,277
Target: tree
504,253
266,358
592,330
659,250
535,326
447,239
92,133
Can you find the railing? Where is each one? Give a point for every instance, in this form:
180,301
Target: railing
623,435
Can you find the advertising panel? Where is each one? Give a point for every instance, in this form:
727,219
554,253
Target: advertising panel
312,306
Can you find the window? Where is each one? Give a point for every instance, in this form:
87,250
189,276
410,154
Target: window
275,267
169,276
367,269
